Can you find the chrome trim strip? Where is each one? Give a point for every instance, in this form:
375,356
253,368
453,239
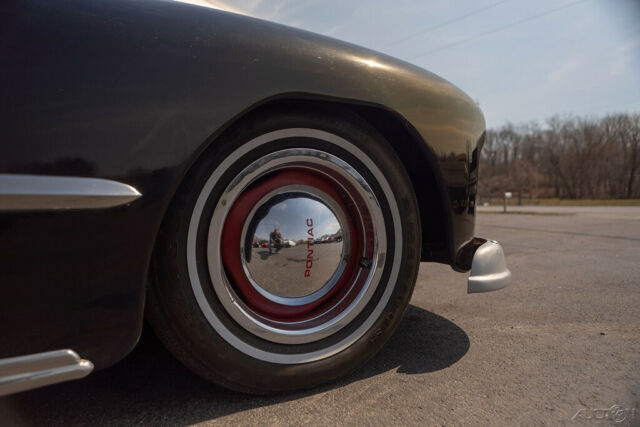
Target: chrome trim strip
37,370
489,270
42,192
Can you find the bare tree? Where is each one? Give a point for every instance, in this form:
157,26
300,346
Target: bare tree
568,157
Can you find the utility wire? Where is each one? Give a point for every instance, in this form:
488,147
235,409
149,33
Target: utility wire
444,24
495,30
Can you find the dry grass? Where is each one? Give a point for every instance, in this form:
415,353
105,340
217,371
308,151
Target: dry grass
511,212
495,201
588,202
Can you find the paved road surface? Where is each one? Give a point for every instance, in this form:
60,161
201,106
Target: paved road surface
564,337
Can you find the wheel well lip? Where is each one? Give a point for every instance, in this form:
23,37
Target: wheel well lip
298,96
428,154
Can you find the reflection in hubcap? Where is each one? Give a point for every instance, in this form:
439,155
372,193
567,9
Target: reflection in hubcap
295,245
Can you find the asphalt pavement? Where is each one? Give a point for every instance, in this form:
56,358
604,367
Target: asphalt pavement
561,345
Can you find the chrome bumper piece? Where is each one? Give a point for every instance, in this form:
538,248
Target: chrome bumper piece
489,270
41,369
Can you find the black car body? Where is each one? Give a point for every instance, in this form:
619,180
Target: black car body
134,92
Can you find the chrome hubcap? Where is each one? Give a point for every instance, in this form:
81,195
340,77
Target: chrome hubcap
295,245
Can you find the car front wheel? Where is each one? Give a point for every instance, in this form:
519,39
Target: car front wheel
286,317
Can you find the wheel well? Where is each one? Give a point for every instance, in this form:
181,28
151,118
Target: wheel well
422,168
420,162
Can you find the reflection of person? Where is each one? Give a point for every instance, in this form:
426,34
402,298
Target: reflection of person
275,240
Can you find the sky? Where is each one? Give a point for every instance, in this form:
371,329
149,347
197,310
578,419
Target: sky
521,60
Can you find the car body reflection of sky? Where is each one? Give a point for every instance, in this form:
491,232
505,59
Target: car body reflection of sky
290,216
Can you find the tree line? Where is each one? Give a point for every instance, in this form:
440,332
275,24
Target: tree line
569,157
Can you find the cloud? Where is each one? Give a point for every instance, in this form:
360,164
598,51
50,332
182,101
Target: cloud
563,70
328,228
622,56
